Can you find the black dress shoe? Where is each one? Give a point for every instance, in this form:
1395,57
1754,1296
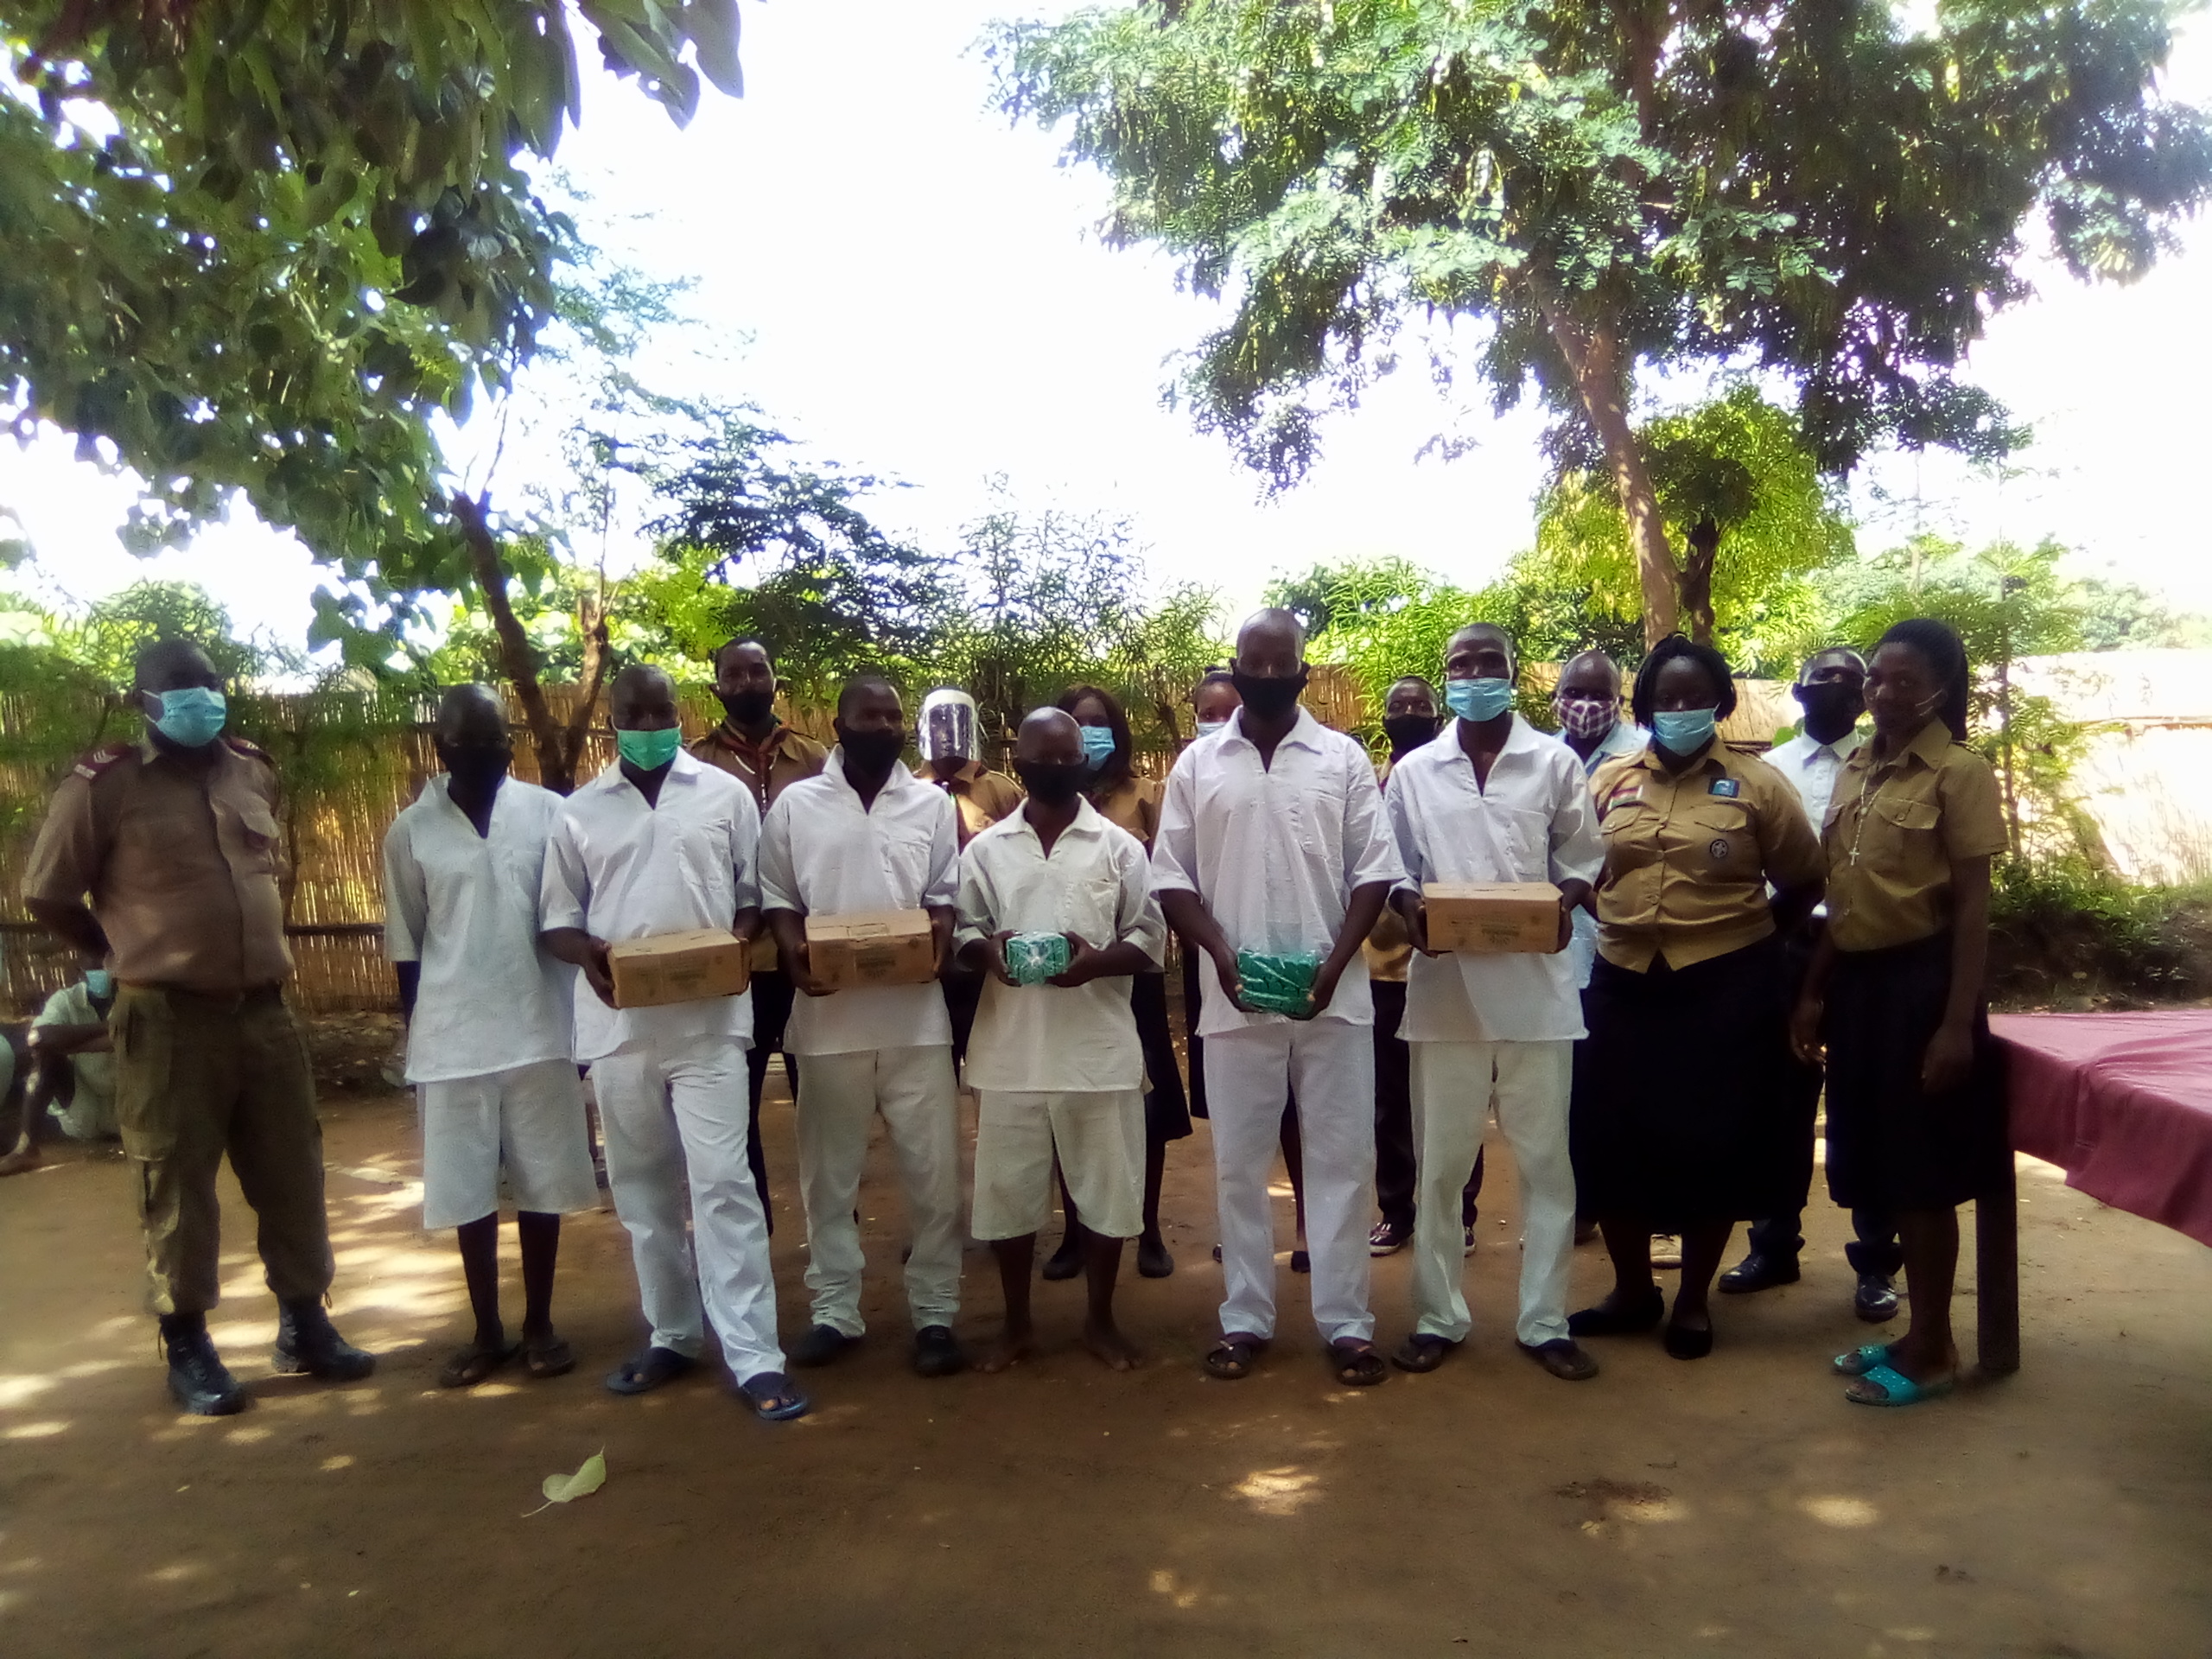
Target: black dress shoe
1875,1302
937,1351
1153,1260
1066,1262
1682,1342
821,1346
1759,1271
198,1381
308,1345
1613,1318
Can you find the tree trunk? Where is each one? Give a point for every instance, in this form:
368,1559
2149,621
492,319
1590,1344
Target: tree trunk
1593,353
554,769
1697,579
591,629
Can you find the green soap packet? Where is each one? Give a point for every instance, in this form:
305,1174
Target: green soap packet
1033,958
1277,984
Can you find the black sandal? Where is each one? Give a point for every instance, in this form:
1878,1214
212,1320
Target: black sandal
642,1373
475,1363
1357,1362
773,1397
1422,1351
1231,1358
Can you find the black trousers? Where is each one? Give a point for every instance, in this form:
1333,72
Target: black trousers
772,992
1876,1248
963,994
1397,1158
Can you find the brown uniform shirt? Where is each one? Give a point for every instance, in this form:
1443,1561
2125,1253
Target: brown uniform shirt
1894,829
1688,855
982,796
768,769
1389,948
1134,806
181,864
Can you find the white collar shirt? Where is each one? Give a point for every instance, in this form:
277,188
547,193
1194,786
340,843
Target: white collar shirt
1096,884
621,869
823,853
1532,821
464,908
1811,768
1276,852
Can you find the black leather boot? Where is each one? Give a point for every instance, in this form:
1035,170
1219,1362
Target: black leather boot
307,1342
198,1381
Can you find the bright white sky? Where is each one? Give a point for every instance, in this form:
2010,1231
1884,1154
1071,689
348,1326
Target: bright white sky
914,289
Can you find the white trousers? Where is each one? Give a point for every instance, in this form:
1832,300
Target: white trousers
1456,1086
839,1096
1330,1066
664,1110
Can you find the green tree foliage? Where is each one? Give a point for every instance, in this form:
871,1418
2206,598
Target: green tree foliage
255,245
1823,191
2123,616
1742,497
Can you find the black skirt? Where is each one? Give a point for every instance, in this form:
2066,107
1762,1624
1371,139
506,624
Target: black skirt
1166,1112
1892,1146
1680,1112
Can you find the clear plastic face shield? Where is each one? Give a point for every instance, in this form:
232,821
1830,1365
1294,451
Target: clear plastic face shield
948,729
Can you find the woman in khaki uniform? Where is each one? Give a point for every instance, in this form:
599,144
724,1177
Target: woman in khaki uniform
1124,799
1916,1103
1674,1126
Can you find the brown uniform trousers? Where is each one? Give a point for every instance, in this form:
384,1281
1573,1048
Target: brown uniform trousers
198,1076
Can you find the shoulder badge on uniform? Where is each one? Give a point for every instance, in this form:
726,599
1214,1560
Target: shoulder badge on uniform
251,751
100,760
1628,792
1726,788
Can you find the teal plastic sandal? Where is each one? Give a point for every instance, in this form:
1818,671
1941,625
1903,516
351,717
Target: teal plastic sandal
1898,1390
1860,1361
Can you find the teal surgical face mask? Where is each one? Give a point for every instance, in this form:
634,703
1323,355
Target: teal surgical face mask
1208,727
649,750
1478,699
1682,731
1098,744
99,982
193,717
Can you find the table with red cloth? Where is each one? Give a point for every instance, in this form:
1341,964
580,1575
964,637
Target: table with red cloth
2123,1103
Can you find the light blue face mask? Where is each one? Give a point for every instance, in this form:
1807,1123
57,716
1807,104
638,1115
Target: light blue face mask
99,982
192,718
1098,745
1478,699
1208,727
1682,731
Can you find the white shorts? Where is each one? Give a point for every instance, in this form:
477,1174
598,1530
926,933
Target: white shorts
530,1120
1100,1137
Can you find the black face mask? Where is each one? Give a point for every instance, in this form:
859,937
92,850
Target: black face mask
1830,711
1410,731
1052,784
476,770
747,707
1269,699
871,754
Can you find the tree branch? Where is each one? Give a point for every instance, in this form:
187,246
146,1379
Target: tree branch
516,654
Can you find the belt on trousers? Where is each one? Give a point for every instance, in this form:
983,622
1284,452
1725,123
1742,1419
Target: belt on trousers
216,1002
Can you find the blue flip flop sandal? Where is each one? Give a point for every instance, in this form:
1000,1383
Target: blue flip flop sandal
1860,1361
1898,1390
773,1397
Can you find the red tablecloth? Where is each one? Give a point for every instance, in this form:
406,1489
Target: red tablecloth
2123,1103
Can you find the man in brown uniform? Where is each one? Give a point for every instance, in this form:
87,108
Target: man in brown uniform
768,757
174,841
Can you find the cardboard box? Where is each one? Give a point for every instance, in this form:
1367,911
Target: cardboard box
876,947
1492,919
678,968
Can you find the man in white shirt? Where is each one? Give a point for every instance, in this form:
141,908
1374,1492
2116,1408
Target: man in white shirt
1272,841
68,1070
661,843
1493,800
867,834
490,1032
1058,1066
1830,689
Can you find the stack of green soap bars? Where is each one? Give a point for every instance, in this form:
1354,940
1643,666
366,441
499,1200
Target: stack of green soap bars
1277,984
1033,958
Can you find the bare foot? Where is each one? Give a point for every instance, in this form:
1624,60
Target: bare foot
1009,1349
19,1161
1113,1350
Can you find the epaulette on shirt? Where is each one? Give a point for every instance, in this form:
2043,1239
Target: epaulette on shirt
100,760
251,751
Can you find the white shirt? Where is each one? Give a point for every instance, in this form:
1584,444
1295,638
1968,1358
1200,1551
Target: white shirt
1812,769
621,869
464,907
1275,852
1625,738
1533,821
1096,884
823,853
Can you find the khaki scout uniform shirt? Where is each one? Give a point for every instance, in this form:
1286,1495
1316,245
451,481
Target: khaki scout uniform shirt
180,862
1134,805
1688,855
1894,829
768,769
982,796
1388,948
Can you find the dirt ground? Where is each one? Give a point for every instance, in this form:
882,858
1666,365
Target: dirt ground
1737,1506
